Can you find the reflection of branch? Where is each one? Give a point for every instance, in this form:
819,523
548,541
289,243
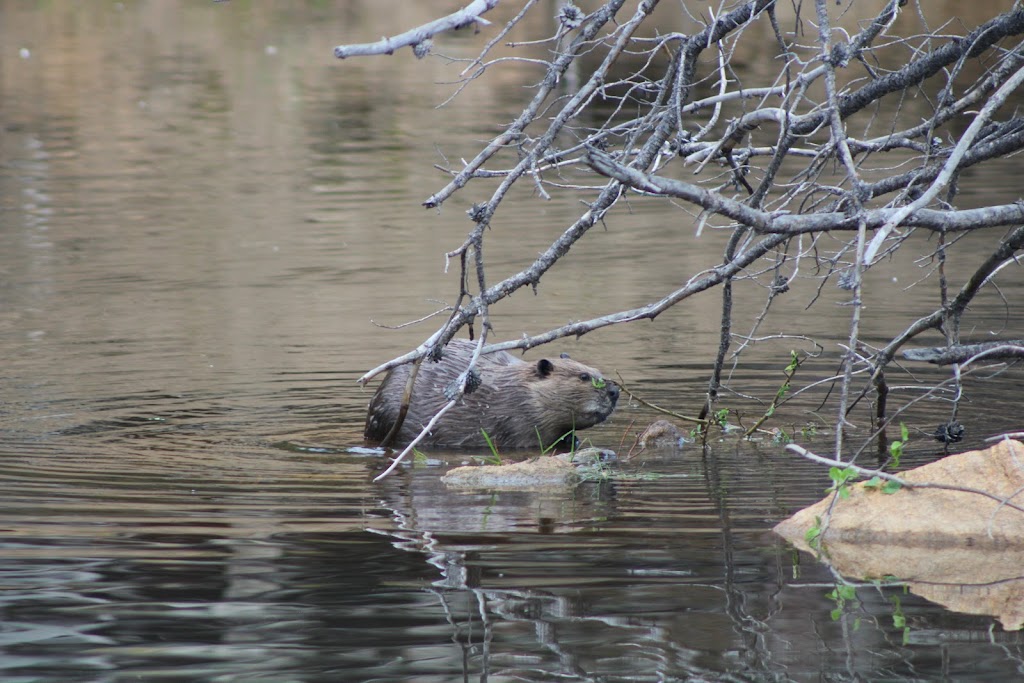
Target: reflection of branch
469,14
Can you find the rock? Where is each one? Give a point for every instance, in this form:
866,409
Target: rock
589,456
661,434
543,472
960,549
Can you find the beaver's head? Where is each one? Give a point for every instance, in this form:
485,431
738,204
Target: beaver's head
567,395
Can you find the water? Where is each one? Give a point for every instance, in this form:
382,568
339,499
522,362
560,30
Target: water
205,221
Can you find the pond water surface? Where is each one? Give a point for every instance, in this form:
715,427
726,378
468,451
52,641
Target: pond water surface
208,227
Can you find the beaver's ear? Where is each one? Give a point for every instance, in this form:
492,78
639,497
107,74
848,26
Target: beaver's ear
563,355
545,367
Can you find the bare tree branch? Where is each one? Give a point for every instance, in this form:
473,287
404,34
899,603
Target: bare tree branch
966,140
960,353
862,125
470,14
767,222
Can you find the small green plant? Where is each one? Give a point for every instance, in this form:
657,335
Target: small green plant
597,471
843,595
780,393
898,619
419,456
886,486
841,479
495,458
808,430
722,417
794,363
598,382
545,450
896,447
813,535
781,436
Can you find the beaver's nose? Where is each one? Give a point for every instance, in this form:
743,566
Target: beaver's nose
613,392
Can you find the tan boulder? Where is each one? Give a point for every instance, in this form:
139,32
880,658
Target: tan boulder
962,549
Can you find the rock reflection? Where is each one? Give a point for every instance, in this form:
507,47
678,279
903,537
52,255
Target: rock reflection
954,547
474,537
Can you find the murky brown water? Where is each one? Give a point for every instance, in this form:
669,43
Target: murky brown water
204,220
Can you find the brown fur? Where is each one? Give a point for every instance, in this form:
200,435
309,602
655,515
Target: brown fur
518,404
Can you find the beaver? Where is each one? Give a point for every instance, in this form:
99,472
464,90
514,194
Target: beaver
517,404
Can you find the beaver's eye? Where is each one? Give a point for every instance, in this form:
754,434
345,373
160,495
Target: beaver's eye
585,376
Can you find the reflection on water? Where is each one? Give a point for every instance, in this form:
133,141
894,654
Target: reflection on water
200,214
212,558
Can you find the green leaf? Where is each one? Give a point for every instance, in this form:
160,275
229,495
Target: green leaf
904,432
886,486
847,592
837,614
891,487
841,477
794,361
896,451
490,444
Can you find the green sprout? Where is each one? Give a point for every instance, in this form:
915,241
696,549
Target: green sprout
813,535
887,486
841,480
842,595
896,447
495,458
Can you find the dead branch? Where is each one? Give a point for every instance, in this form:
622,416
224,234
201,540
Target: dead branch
767,222
960,353
420,36
839,141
